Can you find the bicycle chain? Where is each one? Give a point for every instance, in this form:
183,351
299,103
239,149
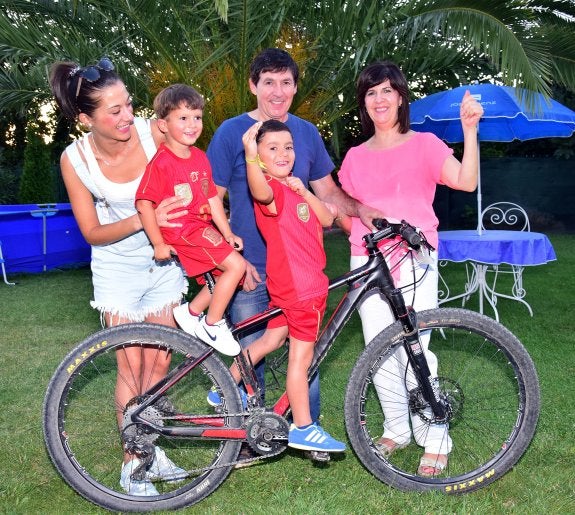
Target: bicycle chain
253,459
262,457
231,463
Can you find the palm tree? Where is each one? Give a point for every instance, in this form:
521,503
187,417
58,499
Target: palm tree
209,44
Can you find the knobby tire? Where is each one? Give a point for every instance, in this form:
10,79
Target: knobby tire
81,431
494,391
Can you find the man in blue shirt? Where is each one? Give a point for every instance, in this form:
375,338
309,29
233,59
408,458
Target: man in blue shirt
273,80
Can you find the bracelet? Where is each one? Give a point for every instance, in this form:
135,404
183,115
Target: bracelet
253,161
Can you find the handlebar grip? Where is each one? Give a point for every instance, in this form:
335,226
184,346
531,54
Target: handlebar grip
380,223
403,229
385,229
409,234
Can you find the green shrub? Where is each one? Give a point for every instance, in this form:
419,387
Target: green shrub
9,181
37,182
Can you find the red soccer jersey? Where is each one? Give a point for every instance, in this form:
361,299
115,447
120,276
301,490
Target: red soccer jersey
167,175
294,242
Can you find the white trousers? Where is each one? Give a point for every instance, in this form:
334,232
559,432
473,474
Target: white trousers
395,378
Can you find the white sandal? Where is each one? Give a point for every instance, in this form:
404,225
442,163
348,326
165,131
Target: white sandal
437,466
386,450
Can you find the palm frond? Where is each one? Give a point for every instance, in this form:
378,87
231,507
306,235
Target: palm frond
210,44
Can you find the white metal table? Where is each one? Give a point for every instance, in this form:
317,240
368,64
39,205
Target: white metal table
519,248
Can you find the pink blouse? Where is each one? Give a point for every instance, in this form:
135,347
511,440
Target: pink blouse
400,181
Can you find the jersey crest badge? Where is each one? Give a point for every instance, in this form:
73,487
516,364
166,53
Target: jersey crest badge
303,212
183,190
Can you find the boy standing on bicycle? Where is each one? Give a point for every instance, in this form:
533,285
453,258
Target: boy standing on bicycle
290,218
179,168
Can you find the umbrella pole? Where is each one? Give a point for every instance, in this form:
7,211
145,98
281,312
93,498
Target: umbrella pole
479,199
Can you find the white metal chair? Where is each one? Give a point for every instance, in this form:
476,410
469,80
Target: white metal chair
512,217
505,215
2,261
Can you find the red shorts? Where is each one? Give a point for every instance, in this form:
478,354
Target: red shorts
302,318
202,250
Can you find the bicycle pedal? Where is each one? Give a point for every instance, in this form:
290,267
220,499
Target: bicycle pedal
319,456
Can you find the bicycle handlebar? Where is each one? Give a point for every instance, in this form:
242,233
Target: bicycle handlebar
406,231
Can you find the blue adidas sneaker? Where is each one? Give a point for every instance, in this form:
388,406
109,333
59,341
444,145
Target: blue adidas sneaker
313,438
215,400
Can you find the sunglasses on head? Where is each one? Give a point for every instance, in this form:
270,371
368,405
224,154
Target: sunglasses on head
91,73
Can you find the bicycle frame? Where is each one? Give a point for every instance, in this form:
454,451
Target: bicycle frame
374,274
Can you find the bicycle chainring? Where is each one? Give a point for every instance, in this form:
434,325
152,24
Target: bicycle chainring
267,433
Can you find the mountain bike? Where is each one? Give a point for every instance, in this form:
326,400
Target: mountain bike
485,393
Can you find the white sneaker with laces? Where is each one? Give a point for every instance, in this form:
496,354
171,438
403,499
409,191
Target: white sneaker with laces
133,487
218,336
185,319
164,468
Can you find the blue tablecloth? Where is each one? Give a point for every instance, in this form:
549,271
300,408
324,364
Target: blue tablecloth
496,247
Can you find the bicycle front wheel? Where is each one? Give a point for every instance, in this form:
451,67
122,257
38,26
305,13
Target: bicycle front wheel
81,417
486,377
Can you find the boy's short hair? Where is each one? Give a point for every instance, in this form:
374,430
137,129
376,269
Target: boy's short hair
273,60
271,126
174,96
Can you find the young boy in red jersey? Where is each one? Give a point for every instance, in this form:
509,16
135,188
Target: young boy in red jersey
290,218
179,168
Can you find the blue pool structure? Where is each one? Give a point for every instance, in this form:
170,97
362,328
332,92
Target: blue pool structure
40,237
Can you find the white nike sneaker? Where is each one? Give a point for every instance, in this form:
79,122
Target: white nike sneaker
218,336
185,319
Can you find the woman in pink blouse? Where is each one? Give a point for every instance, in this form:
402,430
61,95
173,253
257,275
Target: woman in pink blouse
396,170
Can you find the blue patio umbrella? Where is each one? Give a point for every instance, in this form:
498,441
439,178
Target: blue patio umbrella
509,114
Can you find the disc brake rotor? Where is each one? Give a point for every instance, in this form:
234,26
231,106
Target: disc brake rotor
451,395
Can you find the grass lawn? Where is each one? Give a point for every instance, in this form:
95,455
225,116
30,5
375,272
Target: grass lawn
44,315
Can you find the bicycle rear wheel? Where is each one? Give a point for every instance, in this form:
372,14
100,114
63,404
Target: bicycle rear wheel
490,382
81,428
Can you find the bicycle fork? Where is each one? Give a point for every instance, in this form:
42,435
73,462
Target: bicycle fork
415,354
375,275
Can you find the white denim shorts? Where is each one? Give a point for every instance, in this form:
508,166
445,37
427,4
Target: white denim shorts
132,285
